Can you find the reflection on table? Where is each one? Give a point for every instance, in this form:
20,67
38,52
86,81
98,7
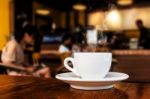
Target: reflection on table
39,88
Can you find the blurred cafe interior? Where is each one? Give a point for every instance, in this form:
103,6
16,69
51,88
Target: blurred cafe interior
110,25
121,27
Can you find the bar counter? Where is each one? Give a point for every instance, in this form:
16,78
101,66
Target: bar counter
136,63
131,52
15,87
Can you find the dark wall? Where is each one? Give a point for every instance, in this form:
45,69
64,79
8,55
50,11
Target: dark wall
23,12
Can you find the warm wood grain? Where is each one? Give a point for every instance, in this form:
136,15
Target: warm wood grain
39,88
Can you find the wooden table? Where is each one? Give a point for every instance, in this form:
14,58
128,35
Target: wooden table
12,87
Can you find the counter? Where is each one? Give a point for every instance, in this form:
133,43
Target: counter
136,63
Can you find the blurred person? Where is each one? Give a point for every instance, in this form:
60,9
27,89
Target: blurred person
76,46
144,40
65,51
118,41
13,54
66,44
79,34
32,49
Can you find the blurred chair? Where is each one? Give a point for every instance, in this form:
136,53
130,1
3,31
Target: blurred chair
61,68
36,57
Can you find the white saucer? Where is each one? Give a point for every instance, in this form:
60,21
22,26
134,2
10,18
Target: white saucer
96,84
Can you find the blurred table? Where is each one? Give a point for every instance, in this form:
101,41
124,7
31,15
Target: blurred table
50,54
12,87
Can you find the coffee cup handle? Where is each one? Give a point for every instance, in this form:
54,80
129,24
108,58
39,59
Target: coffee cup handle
68,67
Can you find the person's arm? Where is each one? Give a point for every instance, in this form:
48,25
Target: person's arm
9,58
9,53
13,66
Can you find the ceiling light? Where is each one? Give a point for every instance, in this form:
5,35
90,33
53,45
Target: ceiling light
79,7
43,11
125,2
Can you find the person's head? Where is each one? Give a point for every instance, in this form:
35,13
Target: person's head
27,35
67,39
139,23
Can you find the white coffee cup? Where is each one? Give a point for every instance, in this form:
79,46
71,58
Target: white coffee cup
89,65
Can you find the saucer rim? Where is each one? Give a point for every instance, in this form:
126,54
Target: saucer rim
122,76
91,87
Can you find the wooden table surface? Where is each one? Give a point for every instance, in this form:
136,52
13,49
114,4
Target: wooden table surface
12,87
